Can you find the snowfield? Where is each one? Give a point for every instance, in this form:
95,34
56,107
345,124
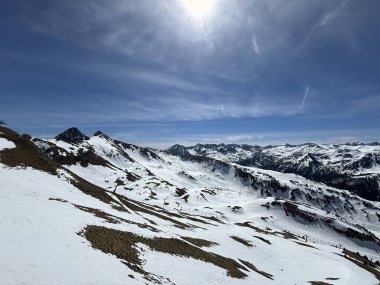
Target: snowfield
39,241
6,144
148,217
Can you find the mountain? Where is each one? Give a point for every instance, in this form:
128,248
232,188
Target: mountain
72,135
354,167
110,212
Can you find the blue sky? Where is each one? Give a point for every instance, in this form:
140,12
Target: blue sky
156,73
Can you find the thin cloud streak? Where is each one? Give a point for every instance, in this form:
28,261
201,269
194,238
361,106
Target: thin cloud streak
114,63
328,17
304,98
255,45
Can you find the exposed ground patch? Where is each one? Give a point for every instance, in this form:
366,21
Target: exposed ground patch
98,213
268,231
263,239
138,208
245,242
26,154
91,189
254,268
200,242
363,262
123,245
305,244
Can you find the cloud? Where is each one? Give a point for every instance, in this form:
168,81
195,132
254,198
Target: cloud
239,138
262,138
222,109
255,45
333,13
304,98
99,62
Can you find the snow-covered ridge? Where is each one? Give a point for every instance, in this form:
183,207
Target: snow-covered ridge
355,167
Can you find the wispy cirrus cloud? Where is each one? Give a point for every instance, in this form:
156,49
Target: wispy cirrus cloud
113,63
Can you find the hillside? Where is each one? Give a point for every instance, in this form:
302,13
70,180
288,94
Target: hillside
93,210
353,167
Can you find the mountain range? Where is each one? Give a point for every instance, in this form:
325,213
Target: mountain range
93,210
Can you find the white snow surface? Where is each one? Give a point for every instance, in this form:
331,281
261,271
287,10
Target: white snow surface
338,157
40,244
6,144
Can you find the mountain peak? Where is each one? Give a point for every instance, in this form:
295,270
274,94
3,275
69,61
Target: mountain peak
177,149
72,135
98,133
101,135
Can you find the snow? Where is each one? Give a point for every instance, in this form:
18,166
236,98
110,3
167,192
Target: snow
38,234
6,144
39,243
338,157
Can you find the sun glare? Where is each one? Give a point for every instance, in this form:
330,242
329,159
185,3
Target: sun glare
199,8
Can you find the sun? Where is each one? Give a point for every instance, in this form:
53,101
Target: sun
200,9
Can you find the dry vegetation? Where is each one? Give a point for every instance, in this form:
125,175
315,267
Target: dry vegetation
123,245
25,154
363,262
199,242
245,242
254,268
263,239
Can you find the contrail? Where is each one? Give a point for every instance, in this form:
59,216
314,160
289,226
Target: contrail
222,109
304,98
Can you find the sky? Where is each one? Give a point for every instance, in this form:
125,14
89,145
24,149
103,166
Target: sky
157,72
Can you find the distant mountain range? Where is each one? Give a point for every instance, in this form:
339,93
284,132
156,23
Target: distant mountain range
354,167
90,210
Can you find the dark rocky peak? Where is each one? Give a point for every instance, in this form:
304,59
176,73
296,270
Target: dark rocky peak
199,146
355,144
101,135
312,157
98,133
178,150
72,135
249,147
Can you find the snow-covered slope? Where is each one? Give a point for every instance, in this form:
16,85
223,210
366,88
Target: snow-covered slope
354,167
99,211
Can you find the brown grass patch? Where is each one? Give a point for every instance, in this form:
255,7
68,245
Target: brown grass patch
286,235
123,245
91,189
305,244
363,262
249,225
58,199
135,206
200,242
263,239
26,154
113,219
254,268
100,214
245,242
